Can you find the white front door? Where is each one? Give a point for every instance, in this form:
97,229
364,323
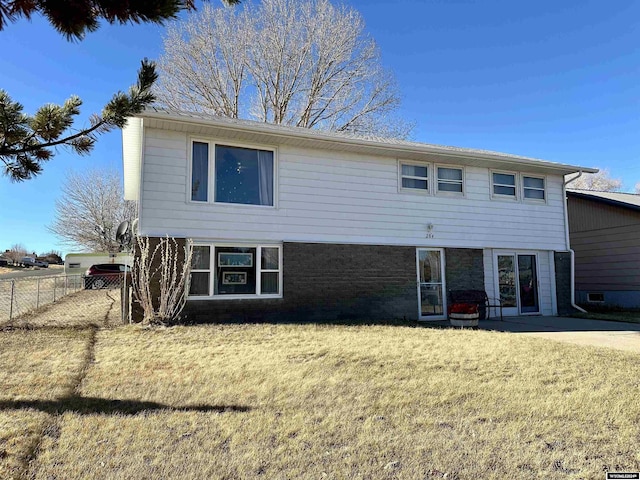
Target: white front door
432,304
517,282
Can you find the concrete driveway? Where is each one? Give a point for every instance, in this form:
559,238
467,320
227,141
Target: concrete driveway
581,331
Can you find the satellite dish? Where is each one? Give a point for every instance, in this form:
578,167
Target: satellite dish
123,234
123,229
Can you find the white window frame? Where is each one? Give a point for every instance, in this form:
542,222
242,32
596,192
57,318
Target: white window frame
420,191
203,270
437,181
211,190
544,188
516,311
445,310
500,196
213,258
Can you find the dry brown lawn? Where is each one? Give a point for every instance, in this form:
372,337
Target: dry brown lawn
36,368
29,295
84,308
308,401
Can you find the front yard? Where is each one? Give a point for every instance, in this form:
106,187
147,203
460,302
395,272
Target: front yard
312,401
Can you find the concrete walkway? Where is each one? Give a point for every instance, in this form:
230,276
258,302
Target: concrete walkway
599,333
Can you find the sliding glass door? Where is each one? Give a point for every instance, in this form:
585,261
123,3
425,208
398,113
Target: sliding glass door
528,284
517,283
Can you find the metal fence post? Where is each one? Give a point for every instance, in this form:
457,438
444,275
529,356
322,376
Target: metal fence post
38,294
54,288
11,303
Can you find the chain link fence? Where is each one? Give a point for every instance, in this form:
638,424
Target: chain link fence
61,300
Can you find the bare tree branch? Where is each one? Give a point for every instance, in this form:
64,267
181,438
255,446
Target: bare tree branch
600,182
303,63
160,278
90,209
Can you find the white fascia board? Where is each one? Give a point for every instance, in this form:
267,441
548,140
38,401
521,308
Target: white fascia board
132,137
391,148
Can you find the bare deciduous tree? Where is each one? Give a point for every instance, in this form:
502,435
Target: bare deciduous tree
291,62
90,209
160,278
637,188
599,182
16,253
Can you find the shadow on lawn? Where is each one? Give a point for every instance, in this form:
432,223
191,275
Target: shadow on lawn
92,405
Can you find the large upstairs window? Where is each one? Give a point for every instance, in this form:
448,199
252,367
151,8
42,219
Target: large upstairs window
244,176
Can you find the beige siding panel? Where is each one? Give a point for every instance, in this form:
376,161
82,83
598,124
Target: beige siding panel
608,259
627,232
586,215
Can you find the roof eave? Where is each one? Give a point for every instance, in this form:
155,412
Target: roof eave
314,135
606,201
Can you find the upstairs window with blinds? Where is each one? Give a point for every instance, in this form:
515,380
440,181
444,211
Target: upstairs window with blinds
450,180
504,185
533,188
414,177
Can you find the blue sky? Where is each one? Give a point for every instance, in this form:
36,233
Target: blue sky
552,80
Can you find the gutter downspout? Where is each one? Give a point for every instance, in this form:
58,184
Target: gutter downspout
573,255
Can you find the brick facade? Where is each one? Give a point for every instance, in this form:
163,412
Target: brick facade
329,282
464,269
340,282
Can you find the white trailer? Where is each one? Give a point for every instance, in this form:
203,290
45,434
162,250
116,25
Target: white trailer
80,262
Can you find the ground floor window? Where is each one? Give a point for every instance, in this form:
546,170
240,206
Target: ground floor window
236,271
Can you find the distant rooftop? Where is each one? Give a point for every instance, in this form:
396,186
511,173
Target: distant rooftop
630,200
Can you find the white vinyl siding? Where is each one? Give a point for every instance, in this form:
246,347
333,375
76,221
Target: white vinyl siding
331,196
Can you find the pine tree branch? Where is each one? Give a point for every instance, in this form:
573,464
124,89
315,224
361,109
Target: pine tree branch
25,140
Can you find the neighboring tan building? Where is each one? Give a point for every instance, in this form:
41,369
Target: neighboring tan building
604,229
295,224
